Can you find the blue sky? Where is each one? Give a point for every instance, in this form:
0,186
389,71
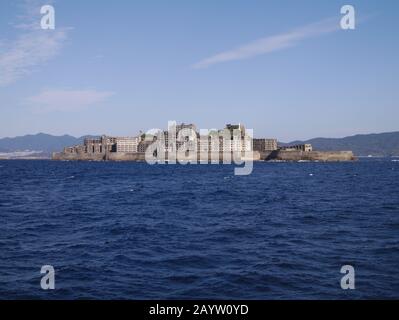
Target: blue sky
123,66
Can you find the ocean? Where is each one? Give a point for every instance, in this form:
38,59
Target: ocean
135,231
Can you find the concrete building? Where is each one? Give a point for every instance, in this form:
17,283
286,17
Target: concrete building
299,147
204,143
232,127
212,145
143,145
185,126
230,139
185,134
93,145
307,147
235,140
264,144
99,145
215,142
235,145
127,144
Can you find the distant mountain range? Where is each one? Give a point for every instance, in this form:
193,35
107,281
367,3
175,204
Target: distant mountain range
375,144
41,145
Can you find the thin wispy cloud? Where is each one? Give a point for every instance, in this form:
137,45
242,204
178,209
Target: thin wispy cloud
65,100
32,47
272,43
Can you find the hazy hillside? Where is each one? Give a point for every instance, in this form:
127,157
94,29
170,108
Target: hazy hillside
379,144
45,143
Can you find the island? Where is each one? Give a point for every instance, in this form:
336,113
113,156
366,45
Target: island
231,141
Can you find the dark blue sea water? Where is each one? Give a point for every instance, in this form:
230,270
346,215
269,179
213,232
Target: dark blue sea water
135,231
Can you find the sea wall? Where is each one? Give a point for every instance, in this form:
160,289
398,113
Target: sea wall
222,156
66,156
119,156
311,155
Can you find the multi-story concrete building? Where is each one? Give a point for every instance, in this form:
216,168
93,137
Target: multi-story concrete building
224,141
185,138
230,139
233,127
235,145
264,144
185,126
99,145
93,145
234,139
143,145
185,134
127,144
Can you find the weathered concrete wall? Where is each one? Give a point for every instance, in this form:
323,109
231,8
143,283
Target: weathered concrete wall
264,155
312,155
78,156
217,156
119,156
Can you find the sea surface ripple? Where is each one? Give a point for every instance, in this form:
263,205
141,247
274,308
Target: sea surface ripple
136,231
